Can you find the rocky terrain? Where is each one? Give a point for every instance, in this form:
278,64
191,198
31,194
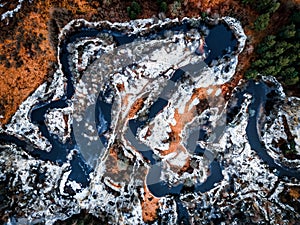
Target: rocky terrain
29,31
153,164
139,122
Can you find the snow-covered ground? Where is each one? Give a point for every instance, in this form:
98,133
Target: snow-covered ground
143,69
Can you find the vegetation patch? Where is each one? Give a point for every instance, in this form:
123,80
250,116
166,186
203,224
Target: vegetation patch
162,5
278,55
133,10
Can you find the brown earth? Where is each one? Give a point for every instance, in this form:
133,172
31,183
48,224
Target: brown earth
135,108
150,206
27,44
28,48
291,197
295,192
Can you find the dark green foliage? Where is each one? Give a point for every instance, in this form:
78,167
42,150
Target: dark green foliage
265,8
262,6
136,7
279,55
262,22
246,1
274,7
283,61
267,44
251,74
271,70
289,31
132,14
289,148
203,15
133,10
260,63
290,76
163,6
296,17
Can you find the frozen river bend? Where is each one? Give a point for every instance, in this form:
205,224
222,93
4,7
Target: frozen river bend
136,127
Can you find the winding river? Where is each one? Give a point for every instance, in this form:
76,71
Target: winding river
81,169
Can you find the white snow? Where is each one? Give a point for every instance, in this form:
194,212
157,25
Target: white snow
152,58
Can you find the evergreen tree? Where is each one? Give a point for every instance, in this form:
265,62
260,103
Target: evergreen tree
262,22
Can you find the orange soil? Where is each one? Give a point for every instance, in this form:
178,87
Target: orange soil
17,83
135,108
150,202
150,205
30,25
295,192
23,66
182,120
28,41
112,162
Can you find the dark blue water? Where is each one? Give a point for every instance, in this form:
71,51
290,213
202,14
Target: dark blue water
177,75
130,135
134,124
59,151
103,120
219,40
58,154
157,106
215,177
183,215
259,92
158,187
